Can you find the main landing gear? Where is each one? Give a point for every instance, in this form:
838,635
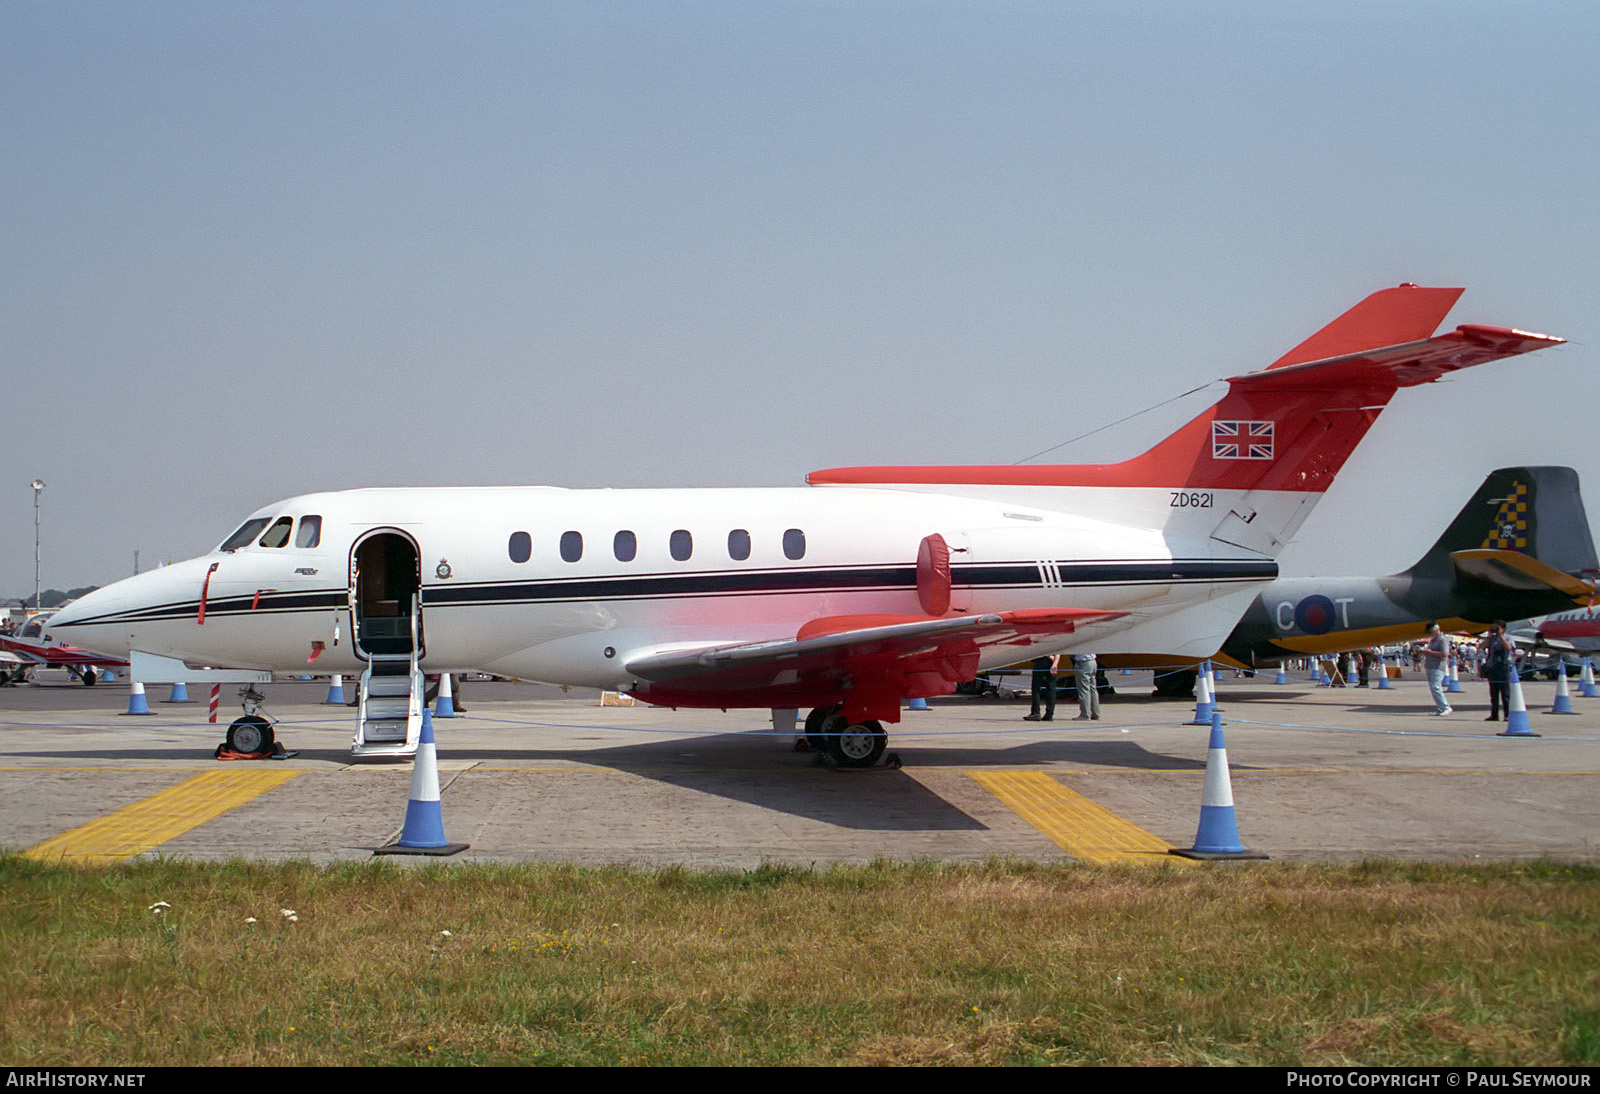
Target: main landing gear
859,745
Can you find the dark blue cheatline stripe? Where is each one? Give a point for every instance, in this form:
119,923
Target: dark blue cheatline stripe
664,585
735,583
270,604
1117,572
1025,575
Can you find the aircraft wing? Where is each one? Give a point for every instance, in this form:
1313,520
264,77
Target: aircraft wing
833,656
1517,571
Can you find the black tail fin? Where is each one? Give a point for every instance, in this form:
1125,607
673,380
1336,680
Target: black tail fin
1536,511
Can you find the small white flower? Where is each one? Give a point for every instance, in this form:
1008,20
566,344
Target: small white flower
249,919
160,906
288,913
293,918
445,934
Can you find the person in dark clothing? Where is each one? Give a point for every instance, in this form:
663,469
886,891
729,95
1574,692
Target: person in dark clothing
1496,659
1044,687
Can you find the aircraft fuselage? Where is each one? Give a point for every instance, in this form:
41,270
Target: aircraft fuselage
567,586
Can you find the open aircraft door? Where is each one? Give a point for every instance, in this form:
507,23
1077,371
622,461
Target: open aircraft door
386,595
386,626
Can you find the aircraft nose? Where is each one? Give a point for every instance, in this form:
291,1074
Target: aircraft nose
71,622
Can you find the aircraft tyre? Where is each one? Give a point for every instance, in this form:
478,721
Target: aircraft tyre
251,733
817,728
858,745
1176,684
89,676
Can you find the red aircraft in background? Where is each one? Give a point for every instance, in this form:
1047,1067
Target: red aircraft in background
29,649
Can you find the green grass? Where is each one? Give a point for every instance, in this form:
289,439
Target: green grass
1005,963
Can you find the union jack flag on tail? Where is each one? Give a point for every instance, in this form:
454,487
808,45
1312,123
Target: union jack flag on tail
1241,440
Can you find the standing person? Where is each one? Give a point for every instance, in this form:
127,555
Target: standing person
1364,663
1495,659
1088,687
1044,687
1435,659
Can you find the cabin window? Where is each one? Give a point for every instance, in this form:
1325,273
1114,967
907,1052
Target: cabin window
794,544
310,533
278,534
246,534
571,546
738,544
520,547
681,545
625,545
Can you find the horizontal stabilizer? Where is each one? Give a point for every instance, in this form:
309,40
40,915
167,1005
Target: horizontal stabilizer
1405,365
1518,572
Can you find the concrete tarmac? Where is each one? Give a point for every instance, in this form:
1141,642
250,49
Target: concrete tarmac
532,773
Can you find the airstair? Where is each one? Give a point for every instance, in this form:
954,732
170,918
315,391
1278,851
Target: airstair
389,721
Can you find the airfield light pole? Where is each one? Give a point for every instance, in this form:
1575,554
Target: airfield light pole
38,488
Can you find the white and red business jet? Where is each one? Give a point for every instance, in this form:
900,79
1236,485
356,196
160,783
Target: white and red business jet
870,586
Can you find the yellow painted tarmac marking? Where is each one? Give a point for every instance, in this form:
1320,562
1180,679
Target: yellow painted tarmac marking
136,828
1083,828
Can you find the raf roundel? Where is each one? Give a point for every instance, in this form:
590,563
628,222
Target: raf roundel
1314,614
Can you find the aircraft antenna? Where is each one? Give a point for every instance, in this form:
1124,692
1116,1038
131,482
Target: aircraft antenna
1108,425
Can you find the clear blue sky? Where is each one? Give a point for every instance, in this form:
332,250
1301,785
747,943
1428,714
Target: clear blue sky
256,249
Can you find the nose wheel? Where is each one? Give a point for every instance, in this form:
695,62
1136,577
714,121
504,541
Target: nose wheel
252,733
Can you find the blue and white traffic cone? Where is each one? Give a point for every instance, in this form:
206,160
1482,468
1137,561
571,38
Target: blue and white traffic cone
1453,684
1218,833
1383,675
1563,704
180,693
1216,675
918,703
445,705
137,703
1280,678
335,692
1316,673
423,832
1204,706
1517,710
1586,687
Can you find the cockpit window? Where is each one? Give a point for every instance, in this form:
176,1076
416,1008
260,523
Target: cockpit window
245,535
310,533
278,534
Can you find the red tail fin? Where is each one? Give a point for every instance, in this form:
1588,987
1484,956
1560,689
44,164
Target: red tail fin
1389,317
1289,427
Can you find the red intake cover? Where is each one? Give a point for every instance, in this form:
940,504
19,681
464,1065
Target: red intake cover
933,575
